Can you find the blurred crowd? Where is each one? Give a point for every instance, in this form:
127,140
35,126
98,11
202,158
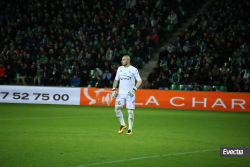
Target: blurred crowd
211,54
77,42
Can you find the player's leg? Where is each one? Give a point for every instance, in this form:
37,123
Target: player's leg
120,101
130,121
119,115
130,106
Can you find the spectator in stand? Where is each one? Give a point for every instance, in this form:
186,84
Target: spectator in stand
38,76
163,53
176,78
246,89
170,47
154,38
20,50
163,63
9,74
157,83
173,18
238,53
186,87
213,28
246,75
202,77
164,83
84,78
240,82
196,87
106,77
97,73
192,26
90,61
76,72
247,83
203,22
215,70
65,73
2,73
185,68
138,54
99,82
65,81
23,75
217,79
54,77
167,73
109,55
185,48
61,67
46,75
210,88
28,60
43,58
233,85
178,41
123,51
208,57
186,79
75,82
174,66
247,63
110,85
239,72
31,75
240,61
147,85
152,86
152,76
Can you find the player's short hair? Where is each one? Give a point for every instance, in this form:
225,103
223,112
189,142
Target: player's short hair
127,57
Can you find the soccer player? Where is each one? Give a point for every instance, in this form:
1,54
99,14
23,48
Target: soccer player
126,74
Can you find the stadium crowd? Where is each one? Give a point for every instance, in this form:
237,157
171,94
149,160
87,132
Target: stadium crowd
76,43
211,54
81,43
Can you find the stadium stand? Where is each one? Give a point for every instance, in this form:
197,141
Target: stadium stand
72,42
213,51
40,39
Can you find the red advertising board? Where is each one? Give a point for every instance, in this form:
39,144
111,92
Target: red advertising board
172,99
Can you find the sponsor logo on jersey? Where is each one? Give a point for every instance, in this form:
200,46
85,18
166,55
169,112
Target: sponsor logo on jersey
126,78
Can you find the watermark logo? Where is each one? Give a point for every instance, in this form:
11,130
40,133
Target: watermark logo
235,151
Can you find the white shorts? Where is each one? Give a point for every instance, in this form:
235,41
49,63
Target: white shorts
124,98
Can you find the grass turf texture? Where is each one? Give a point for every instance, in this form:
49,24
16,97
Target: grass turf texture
57,135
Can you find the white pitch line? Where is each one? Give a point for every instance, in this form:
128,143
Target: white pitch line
155,156
7,119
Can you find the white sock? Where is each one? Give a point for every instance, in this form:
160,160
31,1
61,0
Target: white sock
120,117
130,119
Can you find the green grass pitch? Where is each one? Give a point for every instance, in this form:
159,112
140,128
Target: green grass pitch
76,136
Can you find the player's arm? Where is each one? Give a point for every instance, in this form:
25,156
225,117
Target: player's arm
138,78
115,83
114,92
138,84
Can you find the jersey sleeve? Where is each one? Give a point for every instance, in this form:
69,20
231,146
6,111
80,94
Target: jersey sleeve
137,75
117,76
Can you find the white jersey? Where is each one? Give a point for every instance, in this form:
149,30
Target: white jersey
127,76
